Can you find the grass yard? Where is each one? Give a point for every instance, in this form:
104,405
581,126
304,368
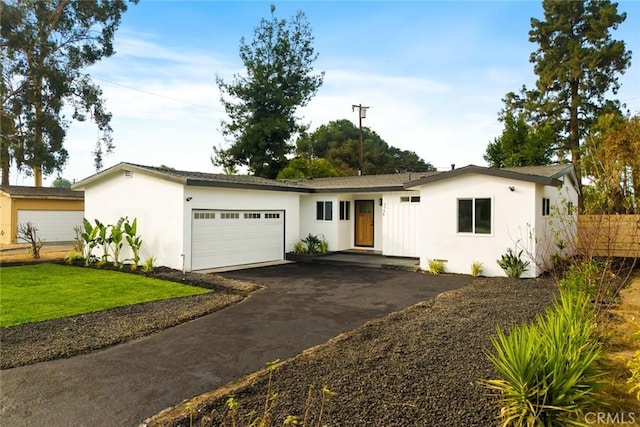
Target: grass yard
37,292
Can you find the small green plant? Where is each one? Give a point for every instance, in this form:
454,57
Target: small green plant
513,264
88,235
436,266
78,242
547,369
72,257
29,233
324,246
476,268
117,240
149,265
299,248
134,241
313,243
104,239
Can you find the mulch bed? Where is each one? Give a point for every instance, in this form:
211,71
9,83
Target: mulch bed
53,339
417,367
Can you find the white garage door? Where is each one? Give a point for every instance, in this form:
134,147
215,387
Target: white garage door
52,226
224,238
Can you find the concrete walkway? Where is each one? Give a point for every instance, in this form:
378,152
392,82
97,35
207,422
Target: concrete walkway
303,305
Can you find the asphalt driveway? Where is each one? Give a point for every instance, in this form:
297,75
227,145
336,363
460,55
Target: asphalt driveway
303,305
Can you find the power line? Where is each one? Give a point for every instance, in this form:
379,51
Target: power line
154,94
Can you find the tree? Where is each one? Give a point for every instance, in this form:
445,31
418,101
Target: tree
338,143
46,46
61,182
577,63
611,160
520,144
261,105
302,167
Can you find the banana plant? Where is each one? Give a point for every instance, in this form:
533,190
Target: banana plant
135,241
117,240
104,239
89,235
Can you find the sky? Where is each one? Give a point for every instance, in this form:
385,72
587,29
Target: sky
432,72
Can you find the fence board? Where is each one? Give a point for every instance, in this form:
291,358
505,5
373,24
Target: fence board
609,235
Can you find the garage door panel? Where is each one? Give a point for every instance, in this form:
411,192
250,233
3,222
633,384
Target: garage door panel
53,226
220,240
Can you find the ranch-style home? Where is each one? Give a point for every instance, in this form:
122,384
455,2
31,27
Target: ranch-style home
196,221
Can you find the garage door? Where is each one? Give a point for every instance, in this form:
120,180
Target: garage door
225,238
52,226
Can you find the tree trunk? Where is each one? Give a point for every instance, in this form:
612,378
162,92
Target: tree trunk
574,140
37,176
5,161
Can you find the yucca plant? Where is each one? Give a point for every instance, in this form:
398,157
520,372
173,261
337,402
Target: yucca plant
547,369
436,266
476,268
513,264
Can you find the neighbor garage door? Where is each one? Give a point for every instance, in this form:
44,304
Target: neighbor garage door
52,226
225,238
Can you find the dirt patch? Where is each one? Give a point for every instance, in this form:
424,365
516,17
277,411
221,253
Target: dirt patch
53,339
416,367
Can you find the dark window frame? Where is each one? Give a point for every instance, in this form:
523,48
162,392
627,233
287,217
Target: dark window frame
475,215
324,210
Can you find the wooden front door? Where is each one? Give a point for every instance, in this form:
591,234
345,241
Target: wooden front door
364,222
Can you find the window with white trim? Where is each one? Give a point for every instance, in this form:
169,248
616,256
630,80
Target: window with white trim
345,209
324,211
474,216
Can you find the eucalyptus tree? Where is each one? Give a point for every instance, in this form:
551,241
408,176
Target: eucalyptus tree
46,47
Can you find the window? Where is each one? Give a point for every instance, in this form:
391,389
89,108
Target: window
546,206
407,199
251,216
415,199
204,215
345,208
270,215
570,208
324,211
474,216
229,215
404,199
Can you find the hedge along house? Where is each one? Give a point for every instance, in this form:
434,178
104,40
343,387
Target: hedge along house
198,221
474,214
53,211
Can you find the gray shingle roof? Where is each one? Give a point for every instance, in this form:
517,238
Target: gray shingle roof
41,192
551,171
386,182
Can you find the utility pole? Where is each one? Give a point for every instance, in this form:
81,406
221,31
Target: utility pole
362,114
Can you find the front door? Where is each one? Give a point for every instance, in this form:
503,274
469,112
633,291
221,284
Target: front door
364,222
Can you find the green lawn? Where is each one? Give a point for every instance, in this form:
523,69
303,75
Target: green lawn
32,293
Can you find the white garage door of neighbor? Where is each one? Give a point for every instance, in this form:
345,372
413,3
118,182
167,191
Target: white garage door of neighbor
225,238
52,226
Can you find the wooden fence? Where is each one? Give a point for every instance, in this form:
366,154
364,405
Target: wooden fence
609,235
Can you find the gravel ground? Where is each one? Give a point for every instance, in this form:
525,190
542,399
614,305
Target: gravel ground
417,367
53,339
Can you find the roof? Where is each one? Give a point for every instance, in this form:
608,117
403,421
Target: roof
546,175
385,182
367,183
18,191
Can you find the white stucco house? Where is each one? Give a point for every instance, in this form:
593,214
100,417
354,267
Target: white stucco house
197,221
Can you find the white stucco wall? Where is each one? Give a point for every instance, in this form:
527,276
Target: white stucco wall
559,226
401,224
157,204
513,217
321,228
238,199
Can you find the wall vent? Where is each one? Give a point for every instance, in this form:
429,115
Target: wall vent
128,173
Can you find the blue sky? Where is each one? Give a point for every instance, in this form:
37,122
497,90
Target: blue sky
433,73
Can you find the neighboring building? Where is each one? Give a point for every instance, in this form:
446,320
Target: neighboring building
53,211
196,221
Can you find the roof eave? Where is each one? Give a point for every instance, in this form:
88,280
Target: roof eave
126,166
551,181
244,186
379,189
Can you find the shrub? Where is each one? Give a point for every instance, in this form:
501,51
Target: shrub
311,245
29,233
513,264
436,266
582,278
134,241
634,380
72,257
476,268
300,248
547,369
149,265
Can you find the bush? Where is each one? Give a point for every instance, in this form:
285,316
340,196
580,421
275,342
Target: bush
547,369
73,257
29,233
476,268
311,245
513,264
634,380
436,266
299,248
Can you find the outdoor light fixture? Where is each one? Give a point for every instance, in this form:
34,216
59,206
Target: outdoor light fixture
189,198
380,201
512,188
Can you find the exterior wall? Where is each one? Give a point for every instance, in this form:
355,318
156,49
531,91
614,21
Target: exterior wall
157,205
555,233
9,208
401,224
512,217
323,229
239,199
